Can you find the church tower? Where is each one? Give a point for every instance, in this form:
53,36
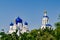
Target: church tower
45,20
18,26
25,28
11,28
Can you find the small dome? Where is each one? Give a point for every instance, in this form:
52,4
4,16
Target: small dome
11,24
46,16
18,20
48,25
26,23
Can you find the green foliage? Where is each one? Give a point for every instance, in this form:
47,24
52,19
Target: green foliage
36,34
57,25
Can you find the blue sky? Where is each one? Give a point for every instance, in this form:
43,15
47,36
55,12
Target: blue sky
29,10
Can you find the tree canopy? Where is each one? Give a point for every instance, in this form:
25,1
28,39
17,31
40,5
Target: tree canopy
35,34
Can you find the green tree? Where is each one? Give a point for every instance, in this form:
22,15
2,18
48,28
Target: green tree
57,25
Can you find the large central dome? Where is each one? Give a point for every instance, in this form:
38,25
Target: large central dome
18,20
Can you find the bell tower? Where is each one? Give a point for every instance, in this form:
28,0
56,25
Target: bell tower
45,18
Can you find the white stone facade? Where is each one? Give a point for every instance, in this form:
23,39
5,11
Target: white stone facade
18,25
45,21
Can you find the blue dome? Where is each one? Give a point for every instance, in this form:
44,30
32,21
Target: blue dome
46,16
26,23
18,20
11,24
48,25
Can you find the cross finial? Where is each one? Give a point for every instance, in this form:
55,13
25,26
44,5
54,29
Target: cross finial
45,11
